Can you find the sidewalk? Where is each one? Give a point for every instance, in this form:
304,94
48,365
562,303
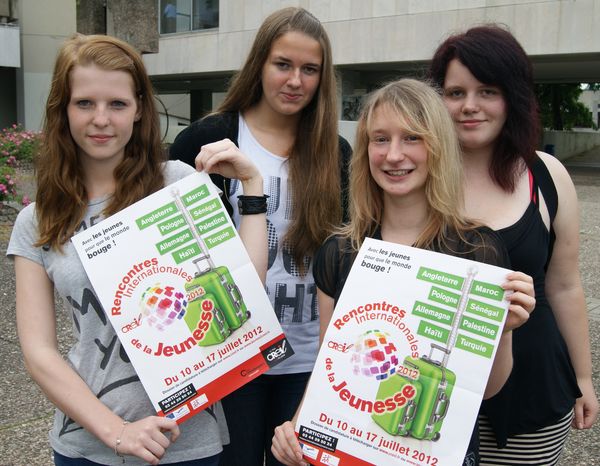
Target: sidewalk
26,415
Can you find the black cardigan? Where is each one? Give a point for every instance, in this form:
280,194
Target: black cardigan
219,126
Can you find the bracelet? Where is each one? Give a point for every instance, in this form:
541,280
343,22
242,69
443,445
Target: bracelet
250,205
118,441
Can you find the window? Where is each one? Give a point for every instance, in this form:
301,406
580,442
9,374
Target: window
188,15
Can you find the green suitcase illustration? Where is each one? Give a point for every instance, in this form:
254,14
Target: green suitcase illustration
219,283
204,315
216,281
437,382
399,421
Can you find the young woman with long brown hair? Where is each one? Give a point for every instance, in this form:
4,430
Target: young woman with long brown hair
101,153
281,110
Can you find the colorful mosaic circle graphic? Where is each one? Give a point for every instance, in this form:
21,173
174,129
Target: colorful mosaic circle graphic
375,355
162,305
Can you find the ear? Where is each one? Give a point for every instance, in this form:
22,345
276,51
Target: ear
138,113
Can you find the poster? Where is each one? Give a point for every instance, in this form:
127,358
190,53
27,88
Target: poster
183,297
405,360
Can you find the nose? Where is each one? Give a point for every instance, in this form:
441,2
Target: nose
395,152
294,79
470,104
101,118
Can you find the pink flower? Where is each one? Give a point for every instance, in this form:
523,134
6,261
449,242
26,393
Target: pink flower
26,201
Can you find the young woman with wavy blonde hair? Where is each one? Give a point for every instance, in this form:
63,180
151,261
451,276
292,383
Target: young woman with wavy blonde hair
405,188
417,106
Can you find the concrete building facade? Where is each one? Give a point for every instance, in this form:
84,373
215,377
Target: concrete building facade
191,61
375,41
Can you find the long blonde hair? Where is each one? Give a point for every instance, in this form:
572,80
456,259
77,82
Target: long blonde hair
61,199
314,167
421,108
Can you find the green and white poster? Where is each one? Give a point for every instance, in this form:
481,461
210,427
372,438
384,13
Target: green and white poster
179,289
405,360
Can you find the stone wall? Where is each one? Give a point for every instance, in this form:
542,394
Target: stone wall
134,21
566,144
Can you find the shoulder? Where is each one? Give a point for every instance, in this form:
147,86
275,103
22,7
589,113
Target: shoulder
329,248
209,129
334,250
216,126
332,262
483,244
567,214
27,217
558,172
24,235
484,234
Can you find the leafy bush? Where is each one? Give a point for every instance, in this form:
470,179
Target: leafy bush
17,146
19,143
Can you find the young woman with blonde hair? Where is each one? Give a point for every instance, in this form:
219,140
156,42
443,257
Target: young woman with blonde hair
281,110
405,187
101,153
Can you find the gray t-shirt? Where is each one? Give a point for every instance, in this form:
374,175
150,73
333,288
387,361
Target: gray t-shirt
98,356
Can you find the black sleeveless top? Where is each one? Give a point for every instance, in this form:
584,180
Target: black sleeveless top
542,387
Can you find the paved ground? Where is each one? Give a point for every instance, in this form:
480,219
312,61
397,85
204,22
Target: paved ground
25,415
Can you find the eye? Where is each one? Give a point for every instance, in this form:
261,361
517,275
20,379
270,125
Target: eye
412,138
490,92
378,139
453,93
118,104
282,65
310,70
83,103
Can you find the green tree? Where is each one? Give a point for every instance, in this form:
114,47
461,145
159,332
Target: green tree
560,107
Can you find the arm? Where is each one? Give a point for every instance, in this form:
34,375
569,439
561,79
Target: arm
565,292
326,305
224,157
285,446
62,385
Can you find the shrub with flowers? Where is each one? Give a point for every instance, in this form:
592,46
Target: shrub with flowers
17,147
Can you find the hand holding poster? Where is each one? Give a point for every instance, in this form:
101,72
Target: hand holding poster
184,298
405,360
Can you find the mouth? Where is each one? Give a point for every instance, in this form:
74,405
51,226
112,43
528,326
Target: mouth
100,137
470,122
399,172
291,97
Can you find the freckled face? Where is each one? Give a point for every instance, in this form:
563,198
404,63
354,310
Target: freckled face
102,111
478,110
397,157
292,73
